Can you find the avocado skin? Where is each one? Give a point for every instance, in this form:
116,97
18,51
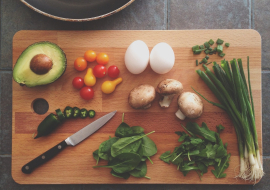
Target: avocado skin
56,47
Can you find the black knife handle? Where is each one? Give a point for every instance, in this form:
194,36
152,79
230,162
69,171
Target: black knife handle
46,156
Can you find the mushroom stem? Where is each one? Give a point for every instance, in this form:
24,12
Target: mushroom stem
165,101
180,115
147,106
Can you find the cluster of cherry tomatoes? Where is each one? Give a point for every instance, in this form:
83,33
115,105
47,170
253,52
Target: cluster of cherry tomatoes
99,71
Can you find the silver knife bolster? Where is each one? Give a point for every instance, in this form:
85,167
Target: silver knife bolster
69,142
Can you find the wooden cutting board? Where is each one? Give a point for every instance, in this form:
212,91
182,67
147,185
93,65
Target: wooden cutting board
74,165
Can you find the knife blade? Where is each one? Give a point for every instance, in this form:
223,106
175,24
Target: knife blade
73,140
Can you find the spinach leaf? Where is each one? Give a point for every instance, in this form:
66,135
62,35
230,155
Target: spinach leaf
191,153
226,145
95,155
127,152
123,175
195,141
166,156
202,167
123,163
123,130
220,128
140,170
209,152
144,158
221,150
187,168
203,131
220,168
182,135
176,159
105,148
137,130
127,144
208,162
148,147
197,154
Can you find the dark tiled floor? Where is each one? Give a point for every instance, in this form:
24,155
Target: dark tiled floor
147,15
261,23
6,112
208,14
265,112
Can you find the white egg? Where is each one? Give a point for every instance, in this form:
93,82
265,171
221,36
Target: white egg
137,57
162,58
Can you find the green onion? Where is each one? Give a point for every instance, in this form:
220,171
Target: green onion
197,63
211,42
235,96
204,60
219,49
201,46
206,45
207,52
219,41
198,51
222,54
227,44
207,57
194,48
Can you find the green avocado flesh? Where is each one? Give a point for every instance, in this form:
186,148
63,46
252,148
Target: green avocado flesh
22,72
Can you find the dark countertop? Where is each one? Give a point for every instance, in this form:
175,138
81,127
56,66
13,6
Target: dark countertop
140,15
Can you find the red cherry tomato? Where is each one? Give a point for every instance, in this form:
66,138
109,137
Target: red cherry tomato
87,93
78,82
99,71
113,71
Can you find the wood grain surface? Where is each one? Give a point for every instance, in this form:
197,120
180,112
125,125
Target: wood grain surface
74,165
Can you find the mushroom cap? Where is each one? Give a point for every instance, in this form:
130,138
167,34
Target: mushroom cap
141,96
169,86
190,105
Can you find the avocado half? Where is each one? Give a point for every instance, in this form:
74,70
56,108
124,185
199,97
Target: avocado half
39,64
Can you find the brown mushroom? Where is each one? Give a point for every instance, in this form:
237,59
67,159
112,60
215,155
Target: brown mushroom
190,106
141,96
168,88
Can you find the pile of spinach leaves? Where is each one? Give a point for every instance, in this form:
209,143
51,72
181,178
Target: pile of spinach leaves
127,152
197,154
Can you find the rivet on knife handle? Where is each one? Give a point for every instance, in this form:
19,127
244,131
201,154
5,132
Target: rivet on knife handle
46,156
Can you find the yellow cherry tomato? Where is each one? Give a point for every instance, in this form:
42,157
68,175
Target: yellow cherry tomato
109,86
89,78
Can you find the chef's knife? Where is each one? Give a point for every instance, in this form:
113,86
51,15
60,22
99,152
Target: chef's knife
73,140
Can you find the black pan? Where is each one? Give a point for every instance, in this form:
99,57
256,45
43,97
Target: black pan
77,10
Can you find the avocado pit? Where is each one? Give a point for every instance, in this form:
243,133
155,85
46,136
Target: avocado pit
41,64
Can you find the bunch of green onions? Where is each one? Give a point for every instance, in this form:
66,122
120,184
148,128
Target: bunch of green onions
235,96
